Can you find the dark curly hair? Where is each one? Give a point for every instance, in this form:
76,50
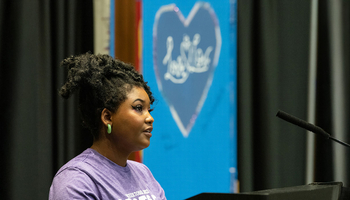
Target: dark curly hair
102,82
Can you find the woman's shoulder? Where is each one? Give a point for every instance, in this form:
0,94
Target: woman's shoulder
79,163
72,182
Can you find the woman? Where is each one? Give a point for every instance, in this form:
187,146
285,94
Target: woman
114,102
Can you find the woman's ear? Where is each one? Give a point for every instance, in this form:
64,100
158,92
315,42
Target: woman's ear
106,116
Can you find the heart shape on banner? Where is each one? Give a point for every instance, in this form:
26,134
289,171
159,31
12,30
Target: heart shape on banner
185,55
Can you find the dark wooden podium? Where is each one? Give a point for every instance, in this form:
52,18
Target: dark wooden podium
313,191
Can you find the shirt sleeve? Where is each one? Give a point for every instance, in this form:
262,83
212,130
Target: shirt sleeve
155,183
73,183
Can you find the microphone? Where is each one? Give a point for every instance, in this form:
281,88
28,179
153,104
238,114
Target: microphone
310,127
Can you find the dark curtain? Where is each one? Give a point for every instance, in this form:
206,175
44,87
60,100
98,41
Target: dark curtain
333,93
40,131
273,70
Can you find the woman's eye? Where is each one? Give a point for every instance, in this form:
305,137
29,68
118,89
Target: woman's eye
138,108
150,110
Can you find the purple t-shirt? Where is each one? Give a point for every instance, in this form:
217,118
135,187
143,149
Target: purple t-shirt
92,176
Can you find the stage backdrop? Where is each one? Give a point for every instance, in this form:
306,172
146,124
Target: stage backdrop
189,61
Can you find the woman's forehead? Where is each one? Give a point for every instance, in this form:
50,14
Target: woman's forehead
138,93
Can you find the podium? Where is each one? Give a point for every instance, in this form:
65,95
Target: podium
313,191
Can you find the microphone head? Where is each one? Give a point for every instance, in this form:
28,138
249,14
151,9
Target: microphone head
301,123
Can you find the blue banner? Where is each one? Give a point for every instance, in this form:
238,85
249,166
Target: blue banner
189,61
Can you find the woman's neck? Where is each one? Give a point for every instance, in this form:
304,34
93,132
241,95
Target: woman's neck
108,150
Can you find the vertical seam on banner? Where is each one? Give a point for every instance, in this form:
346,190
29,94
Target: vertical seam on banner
112,32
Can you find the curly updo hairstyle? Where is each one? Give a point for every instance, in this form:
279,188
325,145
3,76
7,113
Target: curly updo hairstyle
101,82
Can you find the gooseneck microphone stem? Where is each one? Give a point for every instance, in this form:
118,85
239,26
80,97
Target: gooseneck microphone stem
303,124
340,142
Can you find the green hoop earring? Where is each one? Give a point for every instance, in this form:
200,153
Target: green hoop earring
109,129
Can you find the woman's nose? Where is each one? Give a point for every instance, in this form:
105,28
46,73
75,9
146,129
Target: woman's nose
149,119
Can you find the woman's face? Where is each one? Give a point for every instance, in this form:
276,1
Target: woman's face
132,123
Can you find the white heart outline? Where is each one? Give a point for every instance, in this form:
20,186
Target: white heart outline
186,22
